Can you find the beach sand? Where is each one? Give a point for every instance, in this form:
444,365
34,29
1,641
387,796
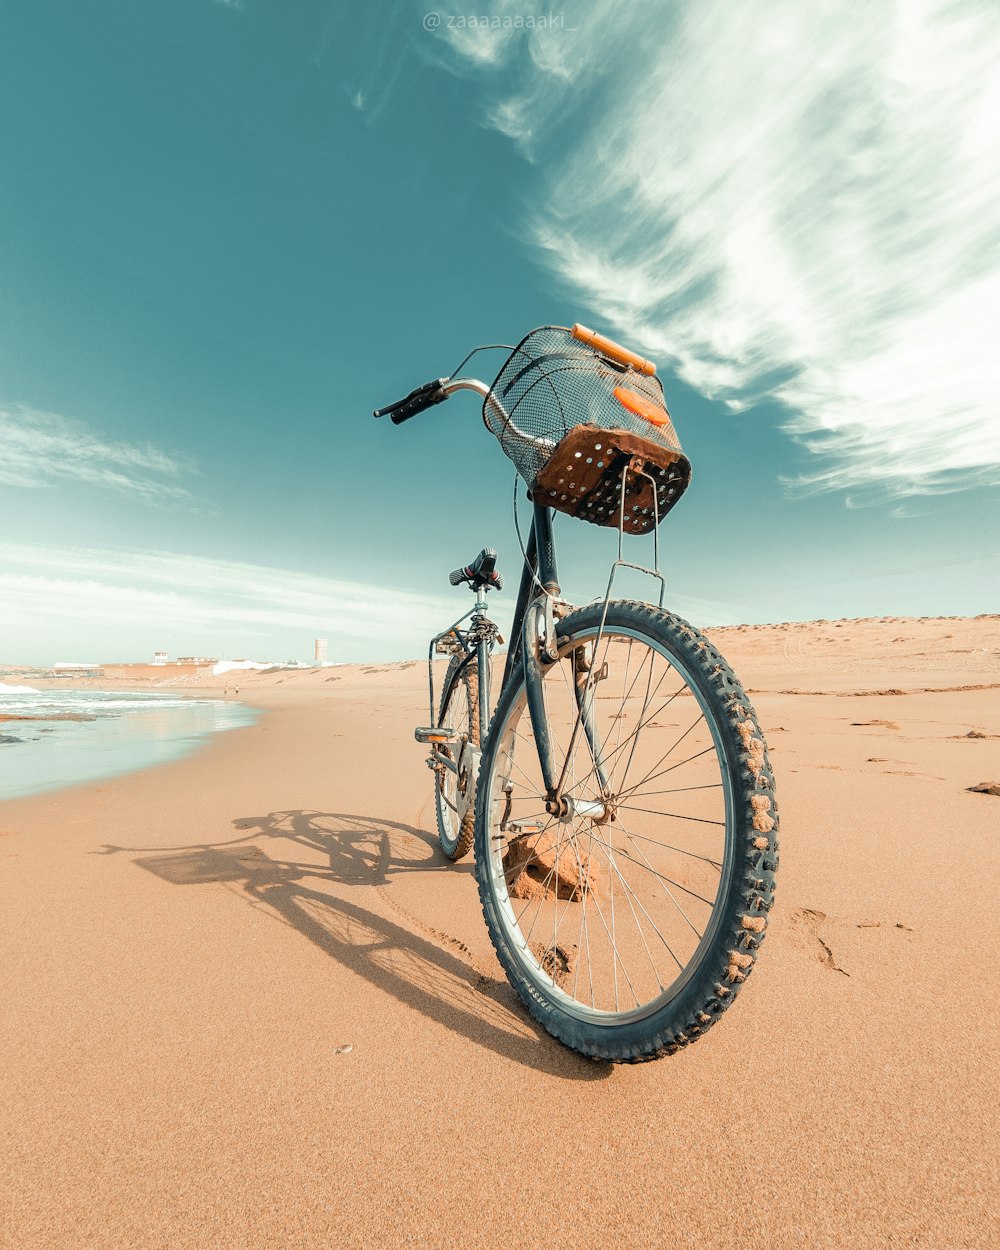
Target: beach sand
247,1003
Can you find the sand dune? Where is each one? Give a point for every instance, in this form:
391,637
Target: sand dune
246,1002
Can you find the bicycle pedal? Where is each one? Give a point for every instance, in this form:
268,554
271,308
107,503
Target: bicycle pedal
435,735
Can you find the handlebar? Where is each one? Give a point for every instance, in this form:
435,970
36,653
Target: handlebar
440,389
431,393
419,400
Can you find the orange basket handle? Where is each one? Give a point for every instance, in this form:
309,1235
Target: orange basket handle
613,350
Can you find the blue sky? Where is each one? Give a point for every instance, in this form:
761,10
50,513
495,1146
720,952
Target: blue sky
228,230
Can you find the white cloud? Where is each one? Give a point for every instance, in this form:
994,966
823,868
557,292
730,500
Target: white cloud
43,449
784,200
478,41
132,599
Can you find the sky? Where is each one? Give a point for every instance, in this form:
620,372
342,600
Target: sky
229,229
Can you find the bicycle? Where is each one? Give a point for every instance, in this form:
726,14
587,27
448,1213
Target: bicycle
619,798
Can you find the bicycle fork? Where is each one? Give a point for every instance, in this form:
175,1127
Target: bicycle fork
540,649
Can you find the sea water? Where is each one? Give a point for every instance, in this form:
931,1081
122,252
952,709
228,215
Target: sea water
119,732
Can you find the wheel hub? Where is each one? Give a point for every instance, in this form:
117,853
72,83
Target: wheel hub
565,809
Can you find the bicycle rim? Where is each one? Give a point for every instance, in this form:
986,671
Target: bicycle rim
459,712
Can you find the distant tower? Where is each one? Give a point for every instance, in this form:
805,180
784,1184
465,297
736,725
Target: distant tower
321,645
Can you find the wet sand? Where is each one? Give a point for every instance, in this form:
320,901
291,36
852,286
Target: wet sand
247,1003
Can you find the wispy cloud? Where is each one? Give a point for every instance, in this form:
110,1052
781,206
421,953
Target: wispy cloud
138,597
785,201
43,449
378,52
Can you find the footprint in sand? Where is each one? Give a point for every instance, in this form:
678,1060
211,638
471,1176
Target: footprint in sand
807,920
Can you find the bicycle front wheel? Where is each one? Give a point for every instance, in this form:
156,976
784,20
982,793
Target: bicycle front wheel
628,920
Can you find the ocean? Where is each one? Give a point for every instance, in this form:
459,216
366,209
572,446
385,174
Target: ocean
75,736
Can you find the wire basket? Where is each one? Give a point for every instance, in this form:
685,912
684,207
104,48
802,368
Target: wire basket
574,422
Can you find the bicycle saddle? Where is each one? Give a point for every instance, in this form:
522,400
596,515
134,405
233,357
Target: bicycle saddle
480,573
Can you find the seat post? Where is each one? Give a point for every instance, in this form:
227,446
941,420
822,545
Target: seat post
483,658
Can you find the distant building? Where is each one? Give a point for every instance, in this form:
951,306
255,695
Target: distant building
321,646
77,670
159,670
159,657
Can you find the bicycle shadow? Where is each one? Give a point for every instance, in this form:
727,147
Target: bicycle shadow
421,967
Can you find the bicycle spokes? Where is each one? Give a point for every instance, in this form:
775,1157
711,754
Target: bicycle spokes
616,891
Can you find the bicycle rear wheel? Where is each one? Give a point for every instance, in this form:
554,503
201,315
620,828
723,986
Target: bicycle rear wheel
460,712
628,922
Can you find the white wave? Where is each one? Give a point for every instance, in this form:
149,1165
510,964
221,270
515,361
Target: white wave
87,702
8,689
123,705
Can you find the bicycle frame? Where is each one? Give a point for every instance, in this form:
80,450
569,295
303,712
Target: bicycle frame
478,642
533,636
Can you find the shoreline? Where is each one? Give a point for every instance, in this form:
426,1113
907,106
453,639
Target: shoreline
51,750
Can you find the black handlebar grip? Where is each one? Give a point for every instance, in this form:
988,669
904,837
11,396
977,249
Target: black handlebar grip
422,398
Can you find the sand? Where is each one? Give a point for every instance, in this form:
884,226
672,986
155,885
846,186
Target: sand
247,1003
